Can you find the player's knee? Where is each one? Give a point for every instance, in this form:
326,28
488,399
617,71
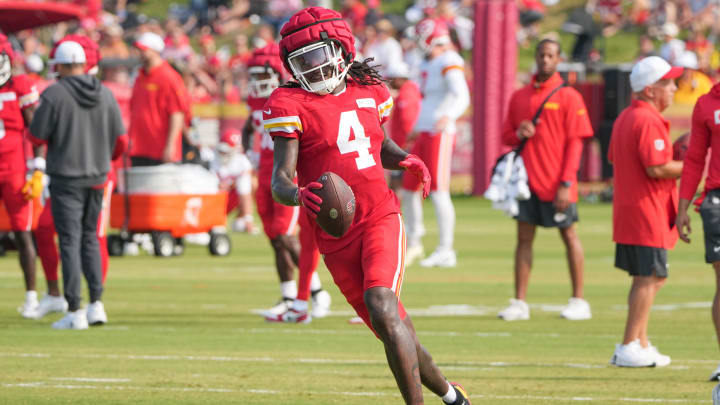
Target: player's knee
284,242
381,304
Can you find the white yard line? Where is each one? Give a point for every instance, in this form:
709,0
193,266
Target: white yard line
259,391
90,379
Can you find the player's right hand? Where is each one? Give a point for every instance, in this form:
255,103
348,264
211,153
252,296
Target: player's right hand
526,129
683,226
34,186
309,200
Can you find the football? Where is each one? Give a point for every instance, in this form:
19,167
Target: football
680,146
338,207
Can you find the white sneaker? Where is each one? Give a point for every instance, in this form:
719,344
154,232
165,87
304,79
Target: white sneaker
661,360
49,304
517,311
715,376
633,355
444,258
29,308
414,253
716,395
578,309
280,307
72,320
96,313
320,304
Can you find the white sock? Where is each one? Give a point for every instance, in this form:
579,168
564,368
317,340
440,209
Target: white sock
30,295
445,214
413,213
248,219
288,289
315,283
300,305
451,395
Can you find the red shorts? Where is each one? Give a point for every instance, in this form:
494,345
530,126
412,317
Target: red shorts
20,210
277,219
435,149
373,259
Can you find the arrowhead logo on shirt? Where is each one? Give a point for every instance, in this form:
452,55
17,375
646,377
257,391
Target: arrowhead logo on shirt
716,114
659,144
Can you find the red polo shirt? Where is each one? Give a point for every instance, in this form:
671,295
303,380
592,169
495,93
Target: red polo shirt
406,109
156,95
553,154
705,134
644,208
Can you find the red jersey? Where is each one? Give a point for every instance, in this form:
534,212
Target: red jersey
405,113
705,133
265,163
16,95
339,133
644,208
122,94
156,95
553,154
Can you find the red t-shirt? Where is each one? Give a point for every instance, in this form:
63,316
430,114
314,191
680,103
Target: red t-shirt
644,208
122,95
705,134
16,94
553,154
156,95
342,134
405,112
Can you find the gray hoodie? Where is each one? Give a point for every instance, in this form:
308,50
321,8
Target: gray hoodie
80,120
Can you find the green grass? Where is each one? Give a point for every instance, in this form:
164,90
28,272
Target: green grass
181,330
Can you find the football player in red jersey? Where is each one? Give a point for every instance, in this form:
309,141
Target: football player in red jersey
18,99
331,120
266,73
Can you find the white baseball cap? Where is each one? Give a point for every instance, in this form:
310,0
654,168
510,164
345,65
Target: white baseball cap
150,40
69,52
398,69
670,29
34,63
651,69
687,60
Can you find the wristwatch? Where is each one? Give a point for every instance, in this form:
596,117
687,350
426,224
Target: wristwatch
566,183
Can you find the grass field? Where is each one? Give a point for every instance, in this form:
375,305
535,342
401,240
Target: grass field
182,330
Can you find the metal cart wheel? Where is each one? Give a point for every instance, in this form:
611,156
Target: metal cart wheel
219,244
163,243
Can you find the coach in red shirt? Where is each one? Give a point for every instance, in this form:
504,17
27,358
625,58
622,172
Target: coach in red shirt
552,157
705,134
644,202
158,106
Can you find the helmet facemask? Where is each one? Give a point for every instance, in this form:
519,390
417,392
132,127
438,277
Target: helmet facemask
319,67
5,68
263,80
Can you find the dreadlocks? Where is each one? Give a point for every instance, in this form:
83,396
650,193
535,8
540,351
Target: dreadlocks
359,72
363,73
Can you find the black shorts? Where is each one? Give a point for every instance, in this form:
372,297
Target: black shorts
543,213
710,213
641,260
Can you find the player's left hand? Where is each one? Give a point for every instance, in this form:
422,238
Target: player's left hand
416,166
562,199
34,186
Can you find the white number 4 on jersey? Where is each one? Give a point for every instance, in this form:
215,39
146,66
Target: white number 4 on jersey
349,121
